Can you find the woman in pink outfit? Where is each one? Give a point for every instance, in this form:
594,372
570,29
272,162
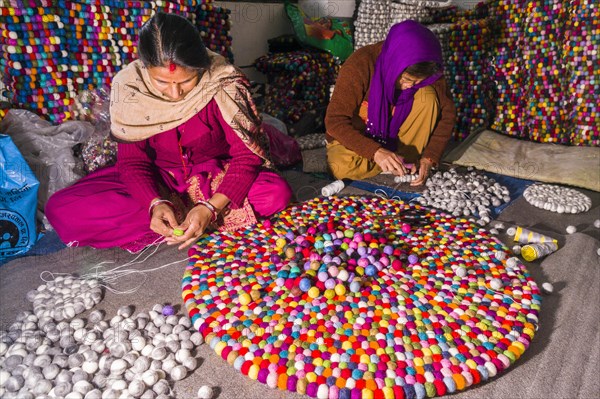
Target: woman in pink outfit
191,151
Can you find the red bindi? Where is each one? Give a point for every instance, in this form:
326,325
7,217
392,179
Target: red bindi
172,66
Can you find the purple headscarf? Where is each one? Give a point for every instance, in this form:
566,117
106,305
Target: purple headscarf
406,44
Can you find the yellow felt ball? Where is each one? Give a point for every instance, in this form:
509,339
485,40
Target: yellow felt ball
340,289
178,232
313,292
244,298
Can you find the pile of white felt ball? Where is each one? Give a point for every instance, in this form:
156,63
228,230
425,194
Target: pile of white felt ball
50,353
375,17
64,297
372,22
469,194
557,199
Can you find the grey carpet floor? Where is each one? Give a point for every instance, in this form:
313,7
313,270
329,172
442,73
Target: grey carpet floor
562,362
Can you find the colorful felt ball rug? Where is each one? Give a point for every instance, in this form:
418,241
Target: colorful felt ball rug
362,297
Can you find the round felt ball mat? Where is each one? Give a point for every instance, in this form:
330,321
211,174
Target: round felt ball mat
362,297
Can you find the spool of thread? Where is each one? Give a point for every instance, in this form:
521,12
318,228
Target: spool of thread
531,252
525,236
333,188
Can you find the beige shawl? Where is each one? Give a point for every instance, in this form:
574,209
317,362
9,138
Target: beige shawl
139,111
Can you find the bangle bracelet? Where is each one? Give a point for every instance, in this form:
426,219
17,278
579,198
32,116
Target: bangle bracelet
210,207
158,202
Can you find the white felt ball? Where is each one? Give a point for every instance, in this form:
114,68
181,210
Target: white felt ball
136,388
197,338
178,373
597,223
547,288
500,255
512,262
516,249
461,271
3,348
94,394
571,229
205,392
598,251
495,283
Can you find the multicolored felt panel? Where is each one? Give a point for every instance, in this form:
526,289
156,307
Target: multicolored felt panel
299,81
362,297
547,67
56,49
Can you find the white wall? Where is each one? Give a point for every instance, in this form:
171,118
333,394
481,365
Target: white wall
252,24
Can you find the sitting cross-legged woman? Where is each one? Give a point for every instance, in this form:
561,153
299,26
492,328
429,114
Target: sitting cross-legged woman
191,153
391,110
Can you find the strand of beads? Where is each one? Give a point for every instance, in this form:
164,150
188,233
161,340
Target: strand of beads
556,198
137,356
467,194
405,178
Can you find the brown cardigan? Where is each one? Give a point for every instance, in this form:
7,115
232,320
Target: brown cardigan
343,124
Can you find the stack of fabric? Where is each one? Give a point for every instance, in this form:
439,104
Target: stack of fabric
57,49
547,67
299,81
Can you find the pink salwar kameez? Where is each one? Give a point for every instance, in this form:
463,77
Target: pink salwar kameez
201,157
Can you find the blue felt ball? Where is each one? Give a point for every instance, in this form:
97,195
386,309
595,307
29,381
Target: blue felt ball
370,270
305,284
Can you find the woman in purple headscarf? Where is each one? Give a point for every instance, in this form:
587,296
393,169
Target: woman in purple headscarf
391,110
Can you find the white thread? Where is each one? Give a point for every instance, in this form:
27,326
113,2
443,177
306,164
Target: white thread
110,276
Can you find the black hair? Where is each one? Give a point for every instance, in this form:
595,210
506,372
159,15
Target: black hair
423,70
167,38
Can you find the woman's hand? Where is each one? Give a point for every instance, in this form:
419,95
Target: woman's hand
389,162
195,224
163,220
425,165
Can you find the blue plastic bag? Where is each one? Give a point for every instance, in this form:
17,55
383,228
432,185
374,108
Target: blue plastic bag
18,201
